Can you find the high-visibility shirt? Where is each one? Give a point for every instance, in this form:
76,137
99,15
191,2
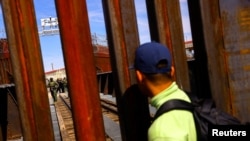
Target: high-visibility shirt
175,125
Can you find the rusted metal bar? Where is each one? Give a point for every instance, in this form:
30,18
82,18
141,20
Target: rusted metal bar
28,70
5,63
80,70
152,20
235,20
166,27
123,39
222,32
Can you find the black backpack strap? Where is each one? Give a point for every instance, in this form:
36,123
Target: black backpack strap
177,104
174,104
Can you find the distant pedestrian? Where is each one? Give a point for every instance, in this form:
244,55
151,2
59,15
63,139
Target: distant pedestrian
53,85
65,84
60,89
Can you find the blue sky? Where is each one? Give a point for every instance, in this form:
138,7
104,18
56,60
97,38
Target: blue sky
51,45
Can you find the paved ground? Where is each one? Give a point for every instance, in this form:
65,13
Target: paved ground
54,118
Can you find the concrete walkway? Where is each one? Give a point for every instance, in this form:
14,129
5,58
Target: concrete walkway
54,118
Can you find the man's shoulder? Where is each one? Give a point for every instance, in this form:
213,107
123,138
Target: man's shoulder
182,95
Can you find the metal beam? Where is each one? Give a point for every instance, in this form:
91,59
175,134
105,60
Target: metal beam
166,27
32,95
123,38
80,70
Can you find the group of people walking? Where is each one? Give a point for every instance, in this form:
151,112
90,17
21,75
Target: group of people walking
55,86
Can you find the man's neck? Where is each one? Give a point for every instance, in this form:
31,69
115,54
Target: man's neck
156,89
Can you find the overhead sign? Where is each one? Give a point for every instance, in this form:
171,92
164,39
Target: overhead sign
49,32
49,22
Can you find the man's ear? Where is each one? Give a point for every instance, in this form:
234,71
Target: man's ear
172,72
138,75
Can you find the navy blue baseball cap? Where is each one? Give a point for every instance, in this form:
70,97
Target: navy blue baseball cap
149,55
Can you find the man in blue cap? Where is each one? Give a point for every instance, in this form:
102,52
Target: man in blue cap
154,72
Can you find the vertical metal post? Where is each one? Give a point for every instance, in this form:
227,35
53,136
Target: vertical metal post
235,22
221,40
80,69
28,70
123,39
166,27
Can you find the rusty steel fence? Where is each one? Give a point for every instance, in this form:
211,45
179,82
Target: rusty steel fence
220,69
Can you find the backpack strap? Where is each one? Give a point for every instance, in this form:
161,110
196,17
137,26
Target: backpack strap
174,104
177,104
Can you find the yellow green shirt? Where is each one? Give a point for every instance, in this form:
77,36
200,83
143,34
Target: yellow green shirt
175,125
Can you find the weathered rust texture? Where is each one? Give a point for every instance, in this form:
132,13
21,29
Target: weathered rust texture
6,73
28,70
208,44
14,125
222,33
80,69
166,27
102,58
235,16
123,39
4,49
